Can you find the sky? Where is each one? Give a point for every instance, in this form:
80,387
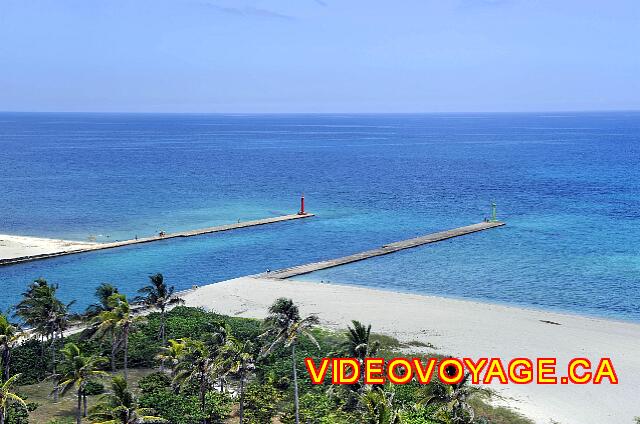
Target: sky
299,56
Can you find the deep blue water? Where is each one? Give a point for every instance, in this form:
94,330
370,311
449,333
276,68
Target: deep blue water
568,185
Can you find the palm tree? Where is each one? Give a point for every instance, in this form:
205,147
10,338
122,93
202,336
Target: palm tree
78,371
8,337
378,407
215,341
48,317
118,321
358,344
451,399
286,326
237,357
219,336
159,296
121,407
32,287
172,354
197,366
103,293
57,324
7,397
101,326
26,308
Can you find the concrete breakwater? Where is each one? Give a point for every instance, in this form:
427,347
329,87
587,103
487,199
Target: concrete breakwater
383,250
164,236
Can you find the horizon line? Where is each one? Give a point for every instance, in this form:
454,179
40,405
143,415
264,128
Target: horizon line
93,112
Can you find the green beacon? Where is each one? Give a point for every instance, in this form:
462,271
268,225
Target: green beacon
494,217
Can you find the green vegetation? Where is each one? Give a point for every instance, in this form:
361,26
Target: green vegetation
285,327
8,339
158,295
117,321
121,407
7,397
184,365
79,370
47,316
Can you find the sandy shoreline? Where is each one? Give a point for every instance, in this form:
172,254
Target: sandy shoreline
18,246
465,328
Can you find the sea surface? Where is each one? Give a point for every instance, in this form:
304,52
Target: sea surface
567,184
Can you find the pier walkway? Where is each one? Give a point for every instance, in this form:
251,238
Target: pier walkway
189,233
384,250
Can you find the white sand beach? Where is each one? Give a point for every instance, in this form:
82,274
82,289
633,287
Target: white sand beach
18,246
471,329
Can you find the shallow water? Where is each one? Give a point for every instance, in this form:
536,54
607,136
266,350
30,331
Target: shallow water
567,185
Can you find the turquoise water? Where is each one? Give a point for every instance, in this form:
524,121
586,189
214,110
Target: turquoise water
567,185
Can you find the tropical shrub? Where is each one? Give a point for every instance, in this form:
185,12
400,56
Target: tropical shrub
93,388
154,382
175,408
217,407
318,408
17,414
261,403
31,361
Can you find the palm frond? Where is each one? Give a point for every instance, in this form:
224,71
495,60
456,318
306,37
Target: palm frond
16,399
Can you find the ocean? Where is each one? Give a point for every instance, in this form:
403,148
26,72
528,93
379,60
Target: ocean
566,184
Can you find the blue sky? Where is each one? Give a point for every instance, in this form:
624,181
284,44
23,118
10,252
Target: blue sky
319,55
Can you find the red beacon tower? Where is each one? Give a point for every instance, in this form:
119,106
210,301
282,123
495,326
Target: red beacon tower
302,212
